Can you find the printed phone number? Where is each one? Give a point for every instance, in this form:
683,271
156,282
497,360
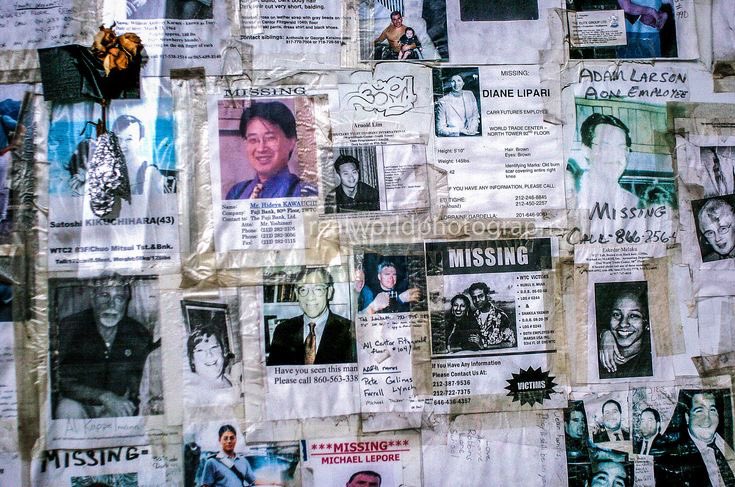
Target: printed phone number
337,379
460,400
453,392
450,383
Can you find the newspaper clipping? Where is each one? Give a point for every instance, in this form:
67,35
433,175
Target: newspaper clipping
381,460
502,159
307,335
105,361
127,219
264,169
392,343
493,333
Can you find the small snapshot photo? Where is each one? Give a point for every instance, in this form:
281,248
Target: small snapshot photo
399,30
307,317
356,180
390,283
105,347
701,417
170,9
456,105
213,353
718,170
110,480
260,142
479,315
623,330
215,453
609,420
714,219
497,10
650,28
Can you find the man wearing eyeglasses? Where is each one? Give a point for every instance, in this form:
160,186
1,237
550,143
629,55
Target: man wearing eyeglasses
317,336
717,225
102,352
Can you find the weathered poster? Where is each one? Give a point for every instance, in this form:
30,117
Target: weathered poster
105,361
177,34
299,345
386,459
117,212
216,453
493,325
610,29
494,449
291,31
501,158
392,343
264,170
35,24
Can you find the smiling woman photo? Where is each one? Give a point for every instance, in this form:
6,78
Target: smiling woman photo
207,360
624,330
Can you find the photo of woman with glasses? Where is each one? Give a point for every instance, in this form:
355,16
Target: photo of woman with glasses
623,330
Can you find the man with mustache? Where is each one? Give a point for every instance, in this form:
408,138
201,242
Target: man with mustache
102,353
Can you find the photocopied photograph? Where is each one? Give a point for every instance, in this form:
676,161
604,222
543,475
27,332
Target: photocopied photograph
390,284
718,165
105,347
623,328
456,105
308,320
397,30
356,171
714,220
259,149
213,357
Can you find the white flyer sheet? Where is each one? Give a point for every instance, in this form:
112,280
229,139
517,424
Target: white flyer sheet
494,339
502,159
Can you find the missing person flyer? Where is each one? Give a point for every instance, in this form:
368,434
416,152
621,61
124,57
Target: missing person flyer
619,171
495,449
391,326
105,362
147,465
494,334
299,345
385,459
501,158
264,168
629,334
177,34
112,198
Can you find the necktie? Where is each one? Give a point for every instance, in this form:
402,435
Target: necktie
310,345
644,450
617,436
256,191
727,476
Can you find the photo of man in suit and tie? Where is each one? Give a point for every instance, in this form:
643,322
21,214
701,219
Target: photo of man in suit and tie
317,336
612,426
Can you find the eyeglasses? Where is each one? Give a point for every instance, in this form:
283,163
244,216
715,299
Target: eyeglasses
634,317
107,298
318,290
722,230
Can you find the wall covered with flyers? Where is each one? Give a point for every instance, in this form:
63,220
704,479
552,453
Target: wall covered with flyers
367,243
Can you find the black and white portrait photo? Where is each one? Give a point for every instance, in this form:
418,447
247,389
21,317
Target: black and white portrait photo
478,316
307,319
717,170
623,330
213,353
356,177
105,352
696,447
715,223
456,106
498,10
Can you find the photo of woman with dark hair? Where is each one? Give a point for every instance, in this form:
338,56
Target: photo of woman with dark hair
463,331
208,361
623,329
